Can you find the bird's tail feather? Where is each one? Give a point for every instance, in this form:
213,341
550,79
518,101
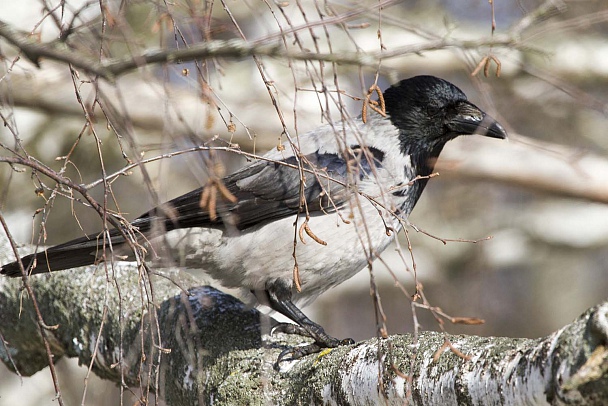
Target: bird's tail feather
94,248
79,252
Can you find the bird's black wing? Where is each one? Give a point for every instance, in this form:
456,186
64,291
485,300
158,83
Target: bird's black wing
264,191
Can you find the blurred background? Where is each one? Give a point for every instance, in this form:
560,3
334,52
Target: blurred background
541,196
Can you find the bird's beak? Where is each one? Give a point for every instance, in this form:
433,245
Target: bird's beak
470,119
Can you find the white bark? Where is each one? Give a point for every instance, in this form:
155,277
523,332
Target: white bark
213,351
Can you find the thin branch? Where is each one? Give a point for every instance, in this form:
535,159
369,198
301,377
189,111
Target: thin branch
57,51
233,48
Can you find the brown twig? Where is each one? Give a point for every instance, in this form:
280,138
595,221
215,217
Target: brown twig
378,106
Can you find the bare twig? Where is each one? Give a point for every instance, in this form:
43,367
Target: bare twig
234,48
34,51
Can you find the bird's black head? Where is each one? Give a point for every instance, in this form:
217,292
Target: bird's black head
429,112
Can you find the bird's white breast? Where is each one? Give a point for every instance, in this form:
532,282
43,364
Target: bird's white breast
264,253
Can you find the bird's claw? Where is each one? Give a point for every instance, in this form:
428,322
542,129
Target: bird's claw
322,341
295,353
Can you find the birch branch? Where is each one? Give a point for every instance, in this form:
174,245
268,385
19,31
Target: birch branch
211,350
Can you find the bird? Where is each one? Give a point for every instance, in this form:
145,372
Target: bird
306,216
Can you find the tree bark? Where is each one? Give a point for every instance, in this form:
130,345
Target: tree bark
195,344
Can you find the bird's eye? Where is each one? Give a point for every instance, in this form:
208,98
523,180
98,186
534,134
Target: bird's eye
433,111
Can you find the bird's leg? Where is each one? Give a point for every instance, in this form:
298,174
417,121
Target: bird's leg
279,299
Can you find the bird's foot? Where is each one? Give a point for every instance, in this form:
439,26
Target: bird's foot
314,331
290,328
